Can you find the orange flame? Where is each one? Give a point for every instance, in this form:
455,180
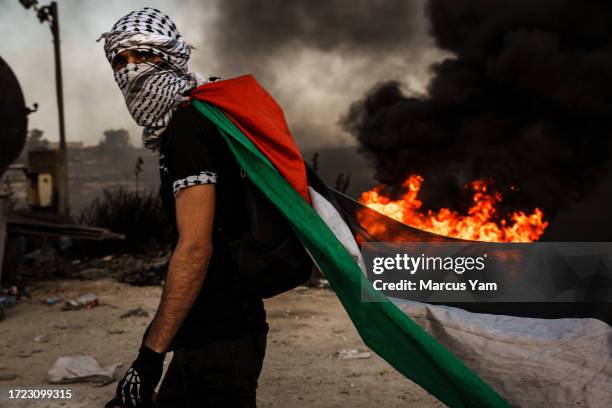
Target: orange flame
480,224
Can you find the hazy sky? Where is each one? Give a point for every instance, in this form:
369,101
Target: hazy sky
315,57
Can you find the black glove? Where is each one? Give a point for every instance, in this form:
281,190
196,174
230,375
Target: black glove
136,388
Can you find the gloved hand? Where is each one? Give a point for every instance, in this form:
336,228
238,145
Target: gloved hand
136,388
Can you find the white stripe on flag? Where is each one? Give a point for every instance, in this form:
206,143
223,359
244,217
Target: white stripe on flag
334,221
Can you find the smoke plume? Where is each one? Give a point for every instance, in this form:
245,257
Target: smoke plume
361,26
525,99
316,56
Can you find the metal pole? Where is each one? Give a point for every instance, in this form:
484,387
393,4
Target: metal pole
63,182
58,74
50,15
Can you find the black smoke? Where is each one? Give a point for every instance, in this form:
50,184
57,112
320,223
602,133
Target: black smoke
524,99
252,34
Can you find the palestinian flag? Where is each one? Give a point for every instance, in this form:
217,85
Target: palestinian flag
465,359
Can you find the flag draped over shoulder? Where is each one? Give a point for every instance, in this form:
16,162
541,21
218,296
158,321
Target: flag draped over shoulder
383,327
257,115
254,127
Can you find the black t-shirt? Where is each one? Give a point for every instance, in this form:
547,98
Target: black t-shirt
193,152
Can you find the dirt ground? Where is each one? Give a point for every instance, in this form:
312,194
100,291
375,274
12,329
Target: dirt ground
308,327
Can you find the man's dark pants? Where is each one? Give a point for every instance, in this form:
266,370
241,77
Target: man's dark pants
220,374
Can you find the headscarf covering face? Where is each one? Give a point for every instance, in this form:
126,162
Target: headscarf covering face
152,90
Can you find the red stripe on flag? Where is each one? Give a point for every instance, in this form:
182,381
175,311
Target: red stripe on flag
253,110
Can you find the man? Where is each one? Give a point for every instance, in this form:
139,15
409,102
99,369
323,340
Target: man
216,330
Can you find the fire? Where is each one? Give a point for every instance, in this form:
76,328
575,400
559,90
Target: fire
481,223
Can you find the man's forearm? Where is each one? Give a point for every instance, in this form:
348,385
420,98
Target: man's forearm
184,280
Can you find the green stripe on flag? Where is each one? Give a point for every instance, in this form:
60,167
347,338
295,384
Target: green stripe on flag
383,327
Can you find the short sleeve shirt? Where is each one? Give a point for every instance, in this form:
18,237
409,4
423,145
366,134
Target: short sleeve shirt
192,152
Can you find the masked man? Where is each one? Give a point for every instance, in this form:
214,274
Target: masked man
217,332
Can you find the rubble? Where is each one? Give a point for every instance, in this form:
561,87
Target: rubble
148,269
138,269
152,275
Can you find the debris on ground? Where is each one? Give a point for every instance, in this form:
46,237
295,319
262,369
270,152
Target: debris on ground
72,369
42,263
146,269
152,275
87,301
353,354
51,301
7,377
138,312
322,284
9,297
139,269
8,301
301,360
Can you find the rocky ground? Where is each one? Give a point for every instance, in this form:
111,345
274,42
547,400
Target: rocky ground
303,368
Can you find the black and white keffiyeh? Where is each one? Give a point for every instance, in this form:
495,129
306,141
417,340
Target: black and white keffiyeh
152,90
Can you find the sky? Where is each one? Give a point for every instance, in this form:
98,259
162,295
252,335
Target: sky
315,57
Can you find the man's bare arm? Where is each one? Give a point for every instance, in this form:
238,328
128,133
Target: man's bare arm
195,208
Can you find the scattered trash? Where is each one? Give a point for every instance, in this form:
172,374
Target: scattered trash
135,269
52,301
41,338
10,296
323,284
353,354
7,377
8,301
138,312
72,369
87,301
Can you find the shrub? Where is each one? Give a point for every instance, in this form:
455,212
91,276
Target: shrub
138,215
